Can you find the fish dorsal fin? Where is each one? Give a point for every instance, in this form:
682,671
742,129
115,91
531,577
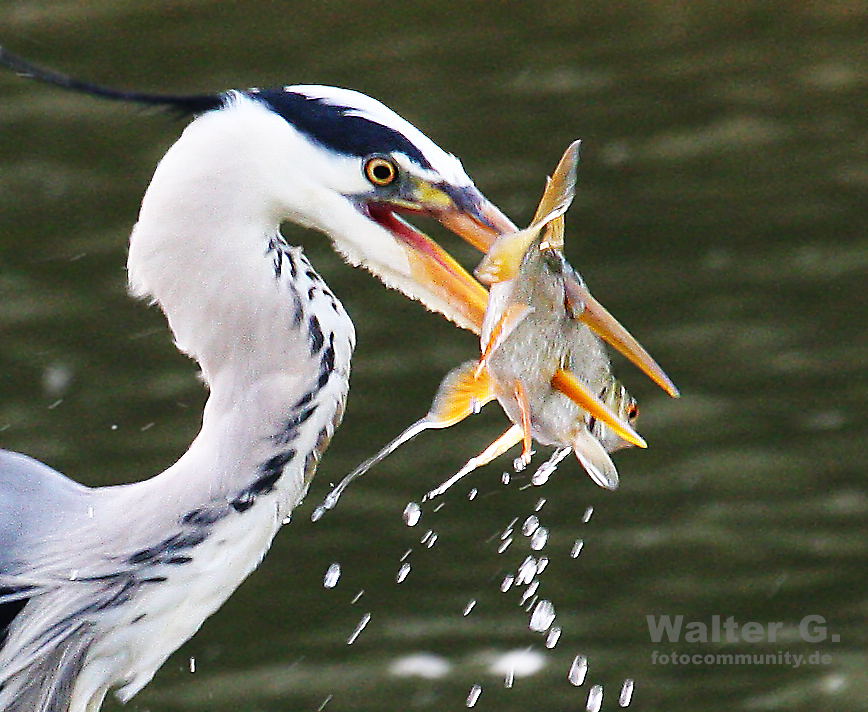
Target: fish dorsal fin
505,256
595,459
560,188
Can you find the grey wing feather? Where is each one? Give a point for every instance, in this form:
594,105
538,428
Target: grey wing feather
34,501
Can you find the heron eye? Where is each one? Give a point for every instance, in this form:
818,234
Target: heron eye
381,171
633,411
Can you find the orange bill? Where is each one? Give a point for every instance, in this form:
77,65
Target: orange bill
570,385
600,320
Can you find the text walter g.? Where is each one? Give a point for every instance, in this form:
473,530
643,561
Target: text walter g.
811,629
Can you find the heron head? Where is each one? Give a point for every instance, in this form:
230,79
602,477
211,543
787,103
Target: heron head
367,169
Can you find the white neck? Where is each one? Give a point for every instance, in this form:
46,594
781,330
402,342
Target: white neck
207,249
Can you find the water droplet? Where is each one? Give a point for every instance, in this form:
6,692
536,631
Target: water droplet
577,548
539,504
505,478
324,703
469,607
586,517
552,637
332,575
539,539
578,670
192,664
317,513
526,571
472,494
531,524
286,520
403,573
541,564
412,514
543,616
595,699
509,679
358,596
475,692
406,554
529,591
359,628
431,540
540,477
507,582
504,545
626,693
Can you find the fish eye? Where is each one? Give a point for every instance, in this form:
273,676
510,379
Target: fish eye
381,171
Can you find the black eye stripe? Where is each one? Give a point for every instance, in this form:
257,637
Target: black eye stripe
337,128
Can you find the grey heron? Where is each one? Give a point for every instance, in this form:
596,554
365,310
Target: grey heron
98,586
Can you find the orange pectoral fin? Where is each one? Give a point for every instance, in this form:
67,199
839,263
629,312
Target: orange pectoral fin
462,393
569,384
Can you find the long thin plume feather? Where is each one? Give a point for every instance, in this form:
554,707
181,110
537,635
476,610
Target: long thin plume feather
188,105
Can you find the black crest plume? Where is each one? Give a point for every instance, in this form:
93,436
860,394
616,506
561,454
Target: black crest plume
185,105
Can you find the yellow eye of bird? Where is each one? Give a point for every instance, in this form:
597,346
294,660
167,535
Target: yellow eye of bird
633,411
381,171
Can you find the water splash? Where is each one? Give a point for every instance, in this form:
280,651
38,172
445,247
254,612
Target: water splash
577,548
578,670
412,514
544,472
595,699
526,572
529,593
332,574
359,628
530,525
473,696
539,539
626,693
586,517
403,572
553,636
469,607
543,616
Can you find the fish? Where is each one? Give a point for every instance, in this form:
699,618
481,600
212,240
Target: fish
543,356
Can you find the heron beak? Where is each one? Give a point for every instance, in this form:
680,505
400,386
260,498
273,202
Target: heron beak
454,292
601,321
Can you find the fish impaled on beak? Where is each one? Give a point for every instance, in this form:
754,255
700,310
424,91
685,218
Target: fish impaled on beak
542,352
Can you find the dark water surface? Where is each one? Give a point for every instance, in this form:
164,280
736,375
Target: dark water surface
721,216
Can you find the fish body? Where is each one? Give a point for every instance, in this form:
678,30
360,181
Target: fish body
543,358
